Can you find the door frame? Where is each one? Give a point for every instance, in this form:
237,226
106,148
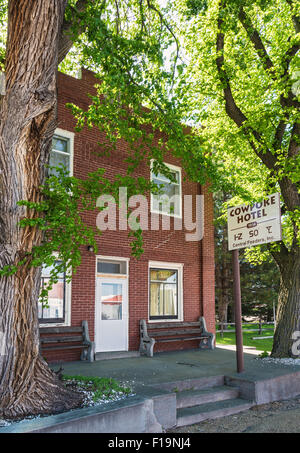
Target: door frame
116,277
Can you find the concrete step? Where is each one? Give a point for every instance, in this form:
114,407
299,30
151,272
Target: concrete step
116,355
196,414
191,384
188,398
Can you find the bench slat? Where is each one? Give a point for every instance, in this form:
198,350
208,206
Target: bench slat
54,348
167,333
164,340
62,329
166,325
77,338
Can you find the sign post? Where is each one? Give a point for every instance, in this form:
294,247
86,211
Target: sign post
250,225
238,311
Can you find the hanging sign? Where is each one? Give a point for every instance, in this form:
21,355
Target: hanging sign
259,223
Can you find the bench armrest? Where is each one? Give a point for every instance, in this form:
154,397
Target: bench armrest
88,354
210,343
146,343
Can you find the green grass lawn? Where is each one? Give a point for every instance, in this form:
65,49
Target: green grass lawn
261,345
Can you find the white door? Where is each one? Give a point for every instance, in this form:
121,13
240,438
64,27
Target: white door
111,315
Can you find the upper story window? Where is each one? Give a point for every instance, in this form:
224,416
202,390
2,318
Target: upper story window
62,151
169,200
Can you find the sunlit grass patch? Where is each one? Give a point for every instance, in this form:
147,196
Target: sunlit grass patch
98,389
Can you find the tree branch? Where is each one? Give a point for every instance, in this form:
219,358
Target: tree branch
169,28
232,110
255,39
280,256
260,48
296,19
294,146
290,100
65,42
279,134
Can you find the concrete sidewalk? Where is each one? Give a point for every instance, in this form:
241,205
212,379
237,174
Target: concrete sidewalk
246,349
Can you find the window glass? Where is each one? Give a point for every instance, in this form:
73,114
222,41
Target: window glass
111,267
169,199
60,144
175,174
55,309
60,154
111,301
163,293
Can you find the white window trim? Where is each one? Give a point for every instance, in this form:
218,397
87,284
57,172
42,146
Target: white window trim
112,258
70,136
173,266
171,167
68,304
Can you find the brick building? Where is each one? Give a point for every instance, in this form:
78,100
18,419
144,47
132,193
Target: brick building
174,278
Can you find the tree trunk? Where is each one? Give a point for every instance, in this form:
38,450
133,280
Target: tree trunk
288,310
222,310
28,120
223,274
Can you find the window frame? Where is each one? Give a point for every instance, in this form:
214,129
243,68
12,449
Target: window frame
66,321
43,321
57,322
112,259
66,135
154,211
153,318
162,265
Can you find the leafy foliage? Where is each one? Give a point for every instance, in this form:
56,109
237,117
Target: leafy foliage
125,43
60,217
160,68
239,84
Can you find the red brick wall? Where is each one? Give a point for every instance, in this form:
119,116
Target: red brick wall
168,246
208,263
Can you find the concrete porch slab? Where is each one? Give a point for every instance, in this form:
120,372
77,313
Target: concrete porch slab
261,382
153,380
174,366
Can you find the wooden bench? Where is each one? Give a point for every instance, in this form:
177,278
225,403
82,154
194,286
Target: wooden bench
64,337
150,334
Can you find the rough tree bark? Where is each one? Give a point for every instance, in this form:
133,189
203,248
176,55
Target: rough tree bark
288,311
28,120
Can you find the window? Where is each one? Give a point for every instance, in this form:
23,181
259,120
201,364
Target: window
62,151
111,267
169,200
55,312
111,301
163,293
